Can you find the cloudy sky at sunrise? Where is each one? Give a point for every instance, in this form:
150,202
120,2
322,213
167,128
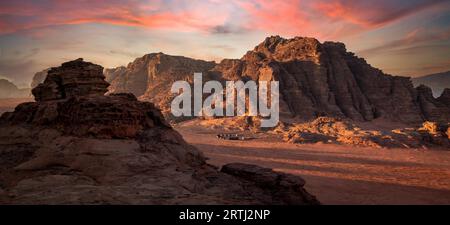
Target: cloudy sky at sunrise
401,37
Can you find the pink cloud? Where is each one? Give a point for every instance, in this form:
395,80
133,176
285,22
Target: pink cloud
325,19
28,15
276,16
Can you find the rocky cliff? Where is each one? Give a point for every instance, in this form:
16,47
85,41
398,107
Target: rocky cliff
434,109
74,78
316,79
151,76
112,73
437,82
75,145
323,79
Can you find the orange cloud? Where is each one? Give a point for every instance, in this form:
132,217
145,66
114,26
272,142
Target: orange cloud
327,19
338,11
276,16
324,19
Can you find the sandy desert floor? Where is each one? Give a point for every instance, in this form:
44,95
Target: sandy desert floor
338,174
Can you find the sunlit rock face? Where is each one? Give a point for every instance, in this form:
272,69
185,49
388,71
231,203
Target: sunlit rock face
323,79
316,79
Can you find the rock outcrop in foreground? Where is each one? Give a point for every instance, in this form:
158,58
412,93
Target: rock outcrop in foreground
76,146
316,79
72,79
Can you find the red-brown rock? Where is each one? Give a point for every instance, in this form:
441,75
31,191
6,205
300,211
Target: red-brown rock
74,78
77,146
316,79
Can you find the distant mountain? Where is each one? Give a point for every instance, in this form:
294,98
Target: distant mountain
150,77
437,82
10,90
316,79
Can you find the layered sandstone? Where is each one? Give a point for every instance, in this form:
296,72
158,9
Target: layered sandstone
75,145
325,80
151,76
434,109
74,78
316,79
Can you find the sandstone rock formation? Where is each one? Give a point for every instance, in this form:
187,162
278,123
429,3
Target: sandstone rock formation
434,109
435,133
10,90
76,146
316,79
333,130
325,80
437,82
74,78
112,73
151,76
39,77
115,116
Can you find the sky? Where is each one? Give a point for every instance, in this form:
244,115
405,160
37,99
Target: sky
401,37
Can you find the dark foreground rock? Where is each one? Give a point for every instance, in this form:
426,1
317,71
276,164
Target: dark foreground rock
86,148
286,187
72,79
